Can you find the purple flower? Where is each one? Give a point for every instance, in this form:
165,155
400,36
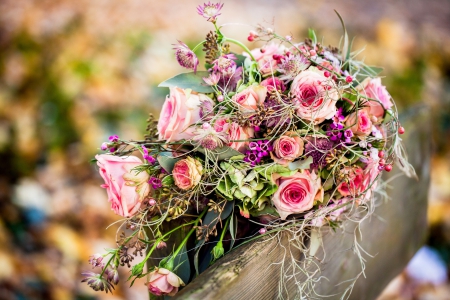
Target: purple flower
212,79
225,65
151,160
334,131
252,158
318,150
97,282
104,146
348,134
114,138
339,117
292,65
210,11
155,182
96,260
185,56
112,275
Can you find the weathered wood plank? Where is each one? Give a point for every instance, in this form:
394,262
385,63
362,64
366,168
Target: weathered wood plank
393,234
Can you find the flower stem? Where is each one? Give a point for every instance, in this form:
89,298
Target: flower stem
169,263
199,44
240,45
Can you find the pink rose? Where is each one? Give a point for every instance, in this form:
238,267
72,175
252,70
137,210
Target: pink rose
295,193
236,133
250,98
264,56
287,148
221,125
181,110
126,188
359,123
372,88
163,282
187,173
316,96
354,185
273,83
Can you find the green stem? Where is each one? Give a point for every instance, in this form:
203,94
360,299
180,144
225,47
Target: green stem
186,238
162,238
222,235
240,45
199,44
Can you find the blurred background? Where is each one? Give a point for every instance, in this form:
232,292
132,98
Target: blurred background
73,72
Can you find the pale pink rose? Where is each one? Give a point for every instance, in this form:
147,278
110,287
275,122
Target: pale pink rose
163,282
273,83
354,185
295,193
372,88
221,125
359,123
264,56
316,96
250,98
287,148
126,188
179,112
238,133
187,173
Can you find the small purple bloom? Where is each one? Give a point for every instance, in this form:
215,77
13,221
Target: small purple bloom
252,158
334,131
339,117
114,138
151,160
348,134
253,145
104,146
155,182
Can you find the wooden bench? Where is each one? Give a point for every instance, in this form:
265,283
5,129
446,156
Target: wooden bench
394,233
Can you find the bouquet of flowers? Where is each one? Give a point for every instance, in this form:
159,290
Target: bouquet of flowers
290,137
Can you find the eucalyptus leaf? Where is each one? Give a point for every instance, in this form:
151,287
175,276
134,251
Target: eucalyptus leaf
233,230
190,80
240,59
211,220
182,266
301,164
167,161
222,153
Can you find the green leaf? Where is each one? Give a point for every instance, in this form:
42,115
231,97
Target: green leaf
233,230
271,190
167,181
267,172
312,36
224,187
167,161
137,269
301,164
367,71
182,266
240,59
268,210
190,80
222,153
